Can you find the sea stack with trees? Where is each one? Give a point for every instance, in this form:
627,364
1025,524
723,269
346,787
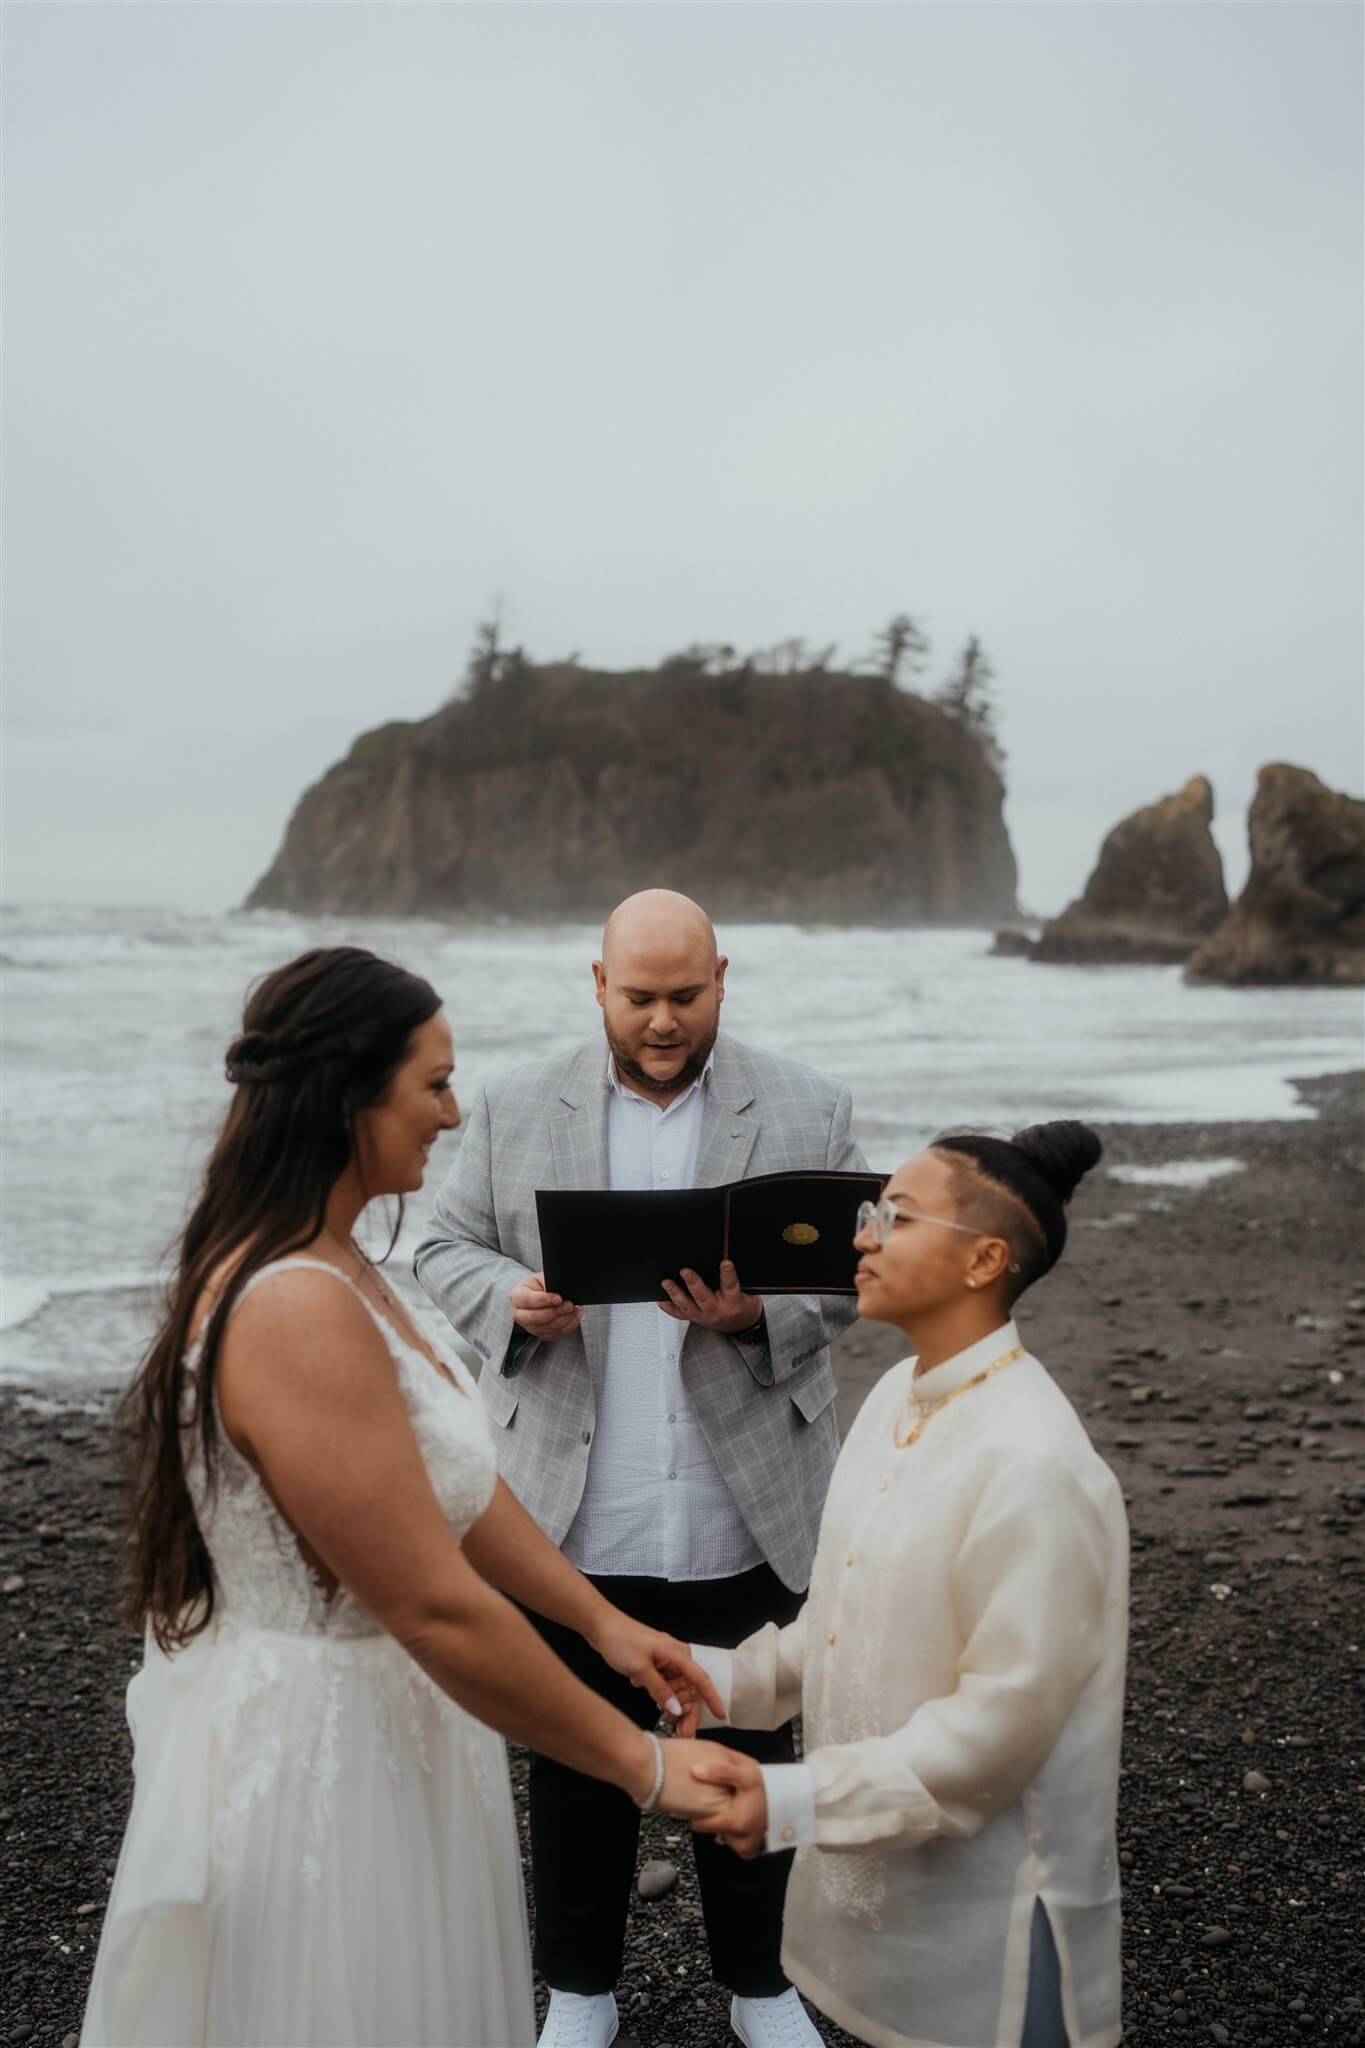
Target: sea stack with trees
772,785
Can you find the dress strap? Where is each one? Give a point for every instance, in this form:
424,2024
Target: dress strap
313,1265
316,1266
387,1330
393,1337
263,1273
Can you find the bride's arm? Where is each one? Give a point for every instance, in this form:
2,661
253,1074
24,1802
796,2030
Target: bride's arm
517,1557
307,1392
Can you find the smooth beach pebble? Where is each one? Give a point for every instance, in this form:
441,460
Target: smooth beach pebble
656,1878
1255,1781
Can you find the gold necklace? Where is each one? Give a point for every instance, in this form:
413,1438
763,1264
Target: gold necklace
364,1264
926,1415
403,1321
367,1265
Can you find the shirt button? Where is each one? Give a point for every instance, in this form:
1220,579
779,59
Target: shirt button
672,1475
587,1436
849,1558
789,1833
672,1418
885,1483
830,1638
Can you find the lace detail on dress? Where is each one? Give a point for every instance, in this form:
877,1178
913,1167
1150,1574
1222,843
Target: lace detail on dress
252,1676
262,1579
267,1592
293,1764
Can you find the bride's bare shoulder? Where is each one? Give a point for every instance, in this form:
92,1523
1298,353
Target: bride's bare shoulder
301,1340
283,1297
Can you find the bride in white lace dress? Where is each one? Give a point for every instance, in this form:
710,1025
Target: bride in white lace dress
322,1847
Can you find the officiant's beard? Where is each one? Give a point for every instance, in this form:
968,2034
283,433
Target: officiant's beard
692,1067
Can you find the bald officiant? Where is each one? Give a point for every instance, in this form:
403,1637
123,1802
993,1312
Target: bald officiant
679,1453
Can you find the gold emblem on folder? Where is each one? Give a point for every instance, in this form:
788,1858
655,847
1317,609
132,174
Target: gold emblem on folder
801,1233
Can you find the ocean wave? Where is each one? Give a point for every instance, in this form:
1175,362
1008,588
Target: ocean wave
22,1297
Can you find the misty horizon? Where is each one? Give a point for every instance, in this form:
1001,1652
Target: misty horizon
323,326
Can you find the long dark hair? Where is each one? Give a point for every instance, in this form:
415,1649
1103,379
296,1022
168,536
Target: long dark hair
1038,1170
321,1038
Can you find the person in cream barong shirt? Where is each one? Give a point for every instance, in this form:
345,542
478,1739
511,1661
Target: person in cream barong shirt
960,1666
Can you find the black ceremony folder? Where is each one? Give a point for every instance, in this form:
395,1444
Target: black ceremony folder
788,1233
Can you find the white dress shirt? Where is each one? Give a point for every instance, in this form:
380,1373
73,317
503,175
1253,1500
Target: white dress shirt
655,1505
960,1666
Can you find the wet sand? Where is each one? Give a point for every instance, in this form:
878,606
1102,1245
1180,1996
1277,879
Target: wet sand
1214,1342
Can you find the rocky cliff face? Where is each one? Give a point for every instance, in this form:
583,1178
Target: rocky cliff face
556,791
1301,916
1156,892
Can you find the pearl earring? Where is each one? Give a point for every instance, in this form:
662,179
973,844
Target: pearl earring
971,1283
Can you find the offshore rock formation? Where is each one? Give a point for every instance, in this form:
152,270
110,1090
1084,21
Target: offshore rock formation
1156,892
554,791
1014,942
1301,916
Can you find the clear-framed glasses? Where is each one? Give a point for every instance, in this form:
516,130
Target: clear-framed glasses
882,1217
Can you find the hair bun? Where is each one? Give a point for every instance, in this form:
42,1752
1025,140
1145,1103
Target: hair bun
1060,1153
274,1055
254,1045
255,1056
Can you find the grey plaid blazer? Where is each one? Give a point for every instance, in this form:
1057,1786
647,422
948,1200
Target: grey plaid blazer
767,1413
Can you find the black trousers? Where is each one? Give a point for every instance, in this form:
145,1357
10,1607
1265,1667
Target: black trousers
585,1835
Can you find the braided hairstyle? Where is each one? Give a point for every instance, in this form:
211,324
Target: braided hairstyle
321,1038
1020,1187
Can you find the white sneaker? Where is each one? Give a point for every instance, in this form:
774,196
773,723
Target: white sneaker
779,2022
576,2020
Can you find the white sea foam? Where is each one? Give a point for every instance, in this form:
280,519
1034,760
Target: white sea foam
114,1080
22,1299
1177,1173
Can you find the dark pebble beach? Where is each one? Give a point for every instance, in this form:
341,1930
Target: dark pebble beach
1213,1340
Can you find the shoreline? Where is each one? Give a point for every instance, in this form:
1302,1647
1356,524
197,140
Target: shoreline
1213,1340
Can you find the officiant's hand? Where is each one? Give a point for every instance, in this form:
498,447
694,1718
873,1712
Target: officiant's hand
664,1667
742,1823
540,1313
730,1309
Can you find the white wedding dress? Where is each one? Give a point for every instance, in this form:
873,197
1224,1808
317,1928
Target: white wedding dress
322,1849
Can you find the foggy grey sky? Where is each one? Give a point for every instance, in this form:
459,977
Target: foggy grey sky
670,322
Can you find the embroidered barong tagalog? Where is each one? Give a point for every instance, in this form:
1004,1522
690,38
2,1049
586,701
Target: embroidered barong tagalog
926,1415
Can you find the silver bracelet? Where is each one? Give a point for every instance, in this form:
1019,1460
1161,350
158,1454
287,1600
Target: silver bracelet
650,1804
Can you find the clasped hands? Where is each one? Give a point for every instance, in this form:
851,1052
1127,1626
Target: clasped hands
726,1308
717,1789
